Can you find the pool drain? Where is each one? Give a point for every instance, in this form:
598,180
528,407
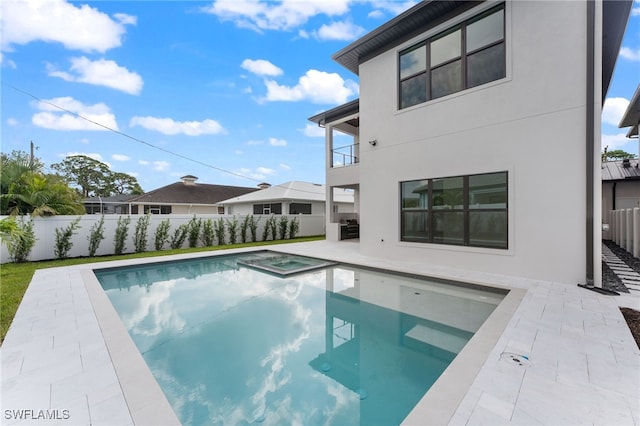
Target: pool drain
515,359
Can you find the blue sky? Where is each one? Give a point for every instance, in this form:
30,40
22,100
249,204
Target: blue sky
228,86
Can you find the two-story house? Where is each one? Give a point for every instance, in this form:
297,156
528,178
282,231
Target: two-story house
475,143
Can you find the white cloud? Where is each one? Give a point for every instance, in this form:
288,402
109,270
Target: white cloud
630,54
613,110
277,142
121,157
7,62
12,122
68,115
79,28
265,170
342,31
258,173
284,166
159,166
276,15
238,152
169,126
615,141
261,67
125,19
391,6
100,73
314,131
315,86
255,142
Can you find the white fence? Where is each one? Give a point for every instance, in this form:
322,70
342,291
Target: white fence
624,229
44,229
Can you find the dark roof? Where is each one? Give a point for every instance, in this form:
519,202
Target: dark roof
192,193
430,13
631,116
416,20
341,111
615,170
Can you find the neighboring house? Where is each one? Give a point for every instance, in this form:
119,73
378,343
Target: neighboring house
117,204
620,187
291,198
475,143
621,179
185,197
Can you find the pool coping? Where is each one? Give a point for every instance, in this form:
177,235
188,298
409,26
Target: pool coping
148,404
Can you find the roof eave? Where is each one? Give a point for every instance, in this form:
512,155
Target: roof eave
631,116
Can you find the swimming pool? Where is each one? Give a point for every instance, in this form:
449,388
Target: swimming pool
338,345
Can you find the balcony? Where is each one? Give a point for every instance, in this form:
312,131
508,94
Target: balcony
345,155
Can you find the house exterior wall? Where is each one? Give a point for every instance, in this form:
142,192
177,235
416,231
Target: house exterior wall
531,124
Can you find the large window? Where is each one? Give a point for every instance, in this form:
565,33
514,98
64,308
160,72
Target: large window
461,210
157,209
467,55
300,208
273,208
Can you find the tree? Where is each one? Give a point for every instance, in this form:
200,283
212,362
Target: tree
122,183
12,167
25,189
94,178
616,154
41,195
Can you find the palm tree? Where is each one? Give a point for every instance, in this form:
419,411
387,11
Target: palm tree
41,195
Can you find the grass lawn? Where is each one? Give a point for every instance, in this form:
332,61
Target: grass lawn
15,277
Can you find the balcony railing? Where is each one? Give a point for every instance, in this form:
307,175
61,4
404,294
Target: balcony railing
345,155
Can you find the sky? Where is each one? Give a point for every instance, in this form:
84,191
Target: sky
221,89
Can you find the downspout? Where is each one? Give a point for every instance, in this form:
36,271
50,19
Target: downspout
590,270
591,12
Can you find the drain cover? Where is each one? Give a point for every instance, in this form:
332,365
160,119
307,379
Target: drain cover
515,359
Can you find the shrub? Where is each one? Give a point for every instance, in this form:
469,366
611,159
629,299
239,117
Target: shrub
19,238
161,235
232,226
140,238
253,227
294,227
218,227
63,239
194,226
178,237
96,235
208,235
244,226
122,230
282,227
267,230
273,226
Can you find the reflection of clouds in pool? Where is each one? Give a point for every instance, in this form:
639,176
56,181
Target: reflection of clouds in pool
153,313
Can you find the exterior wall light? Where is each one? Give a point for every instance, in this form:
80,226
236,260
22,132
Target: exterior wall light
373,142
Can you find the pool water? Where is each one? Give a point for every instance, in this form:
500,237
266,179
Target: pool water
340,345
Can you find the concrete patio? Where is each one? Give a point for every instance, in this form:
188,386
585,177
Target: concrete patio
68,360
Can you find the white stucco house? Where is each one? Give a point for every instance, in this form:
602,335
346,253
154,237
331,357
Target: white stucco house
290,198
475,143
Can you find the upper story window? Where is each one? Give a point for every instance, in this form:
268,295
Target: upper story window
467,55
